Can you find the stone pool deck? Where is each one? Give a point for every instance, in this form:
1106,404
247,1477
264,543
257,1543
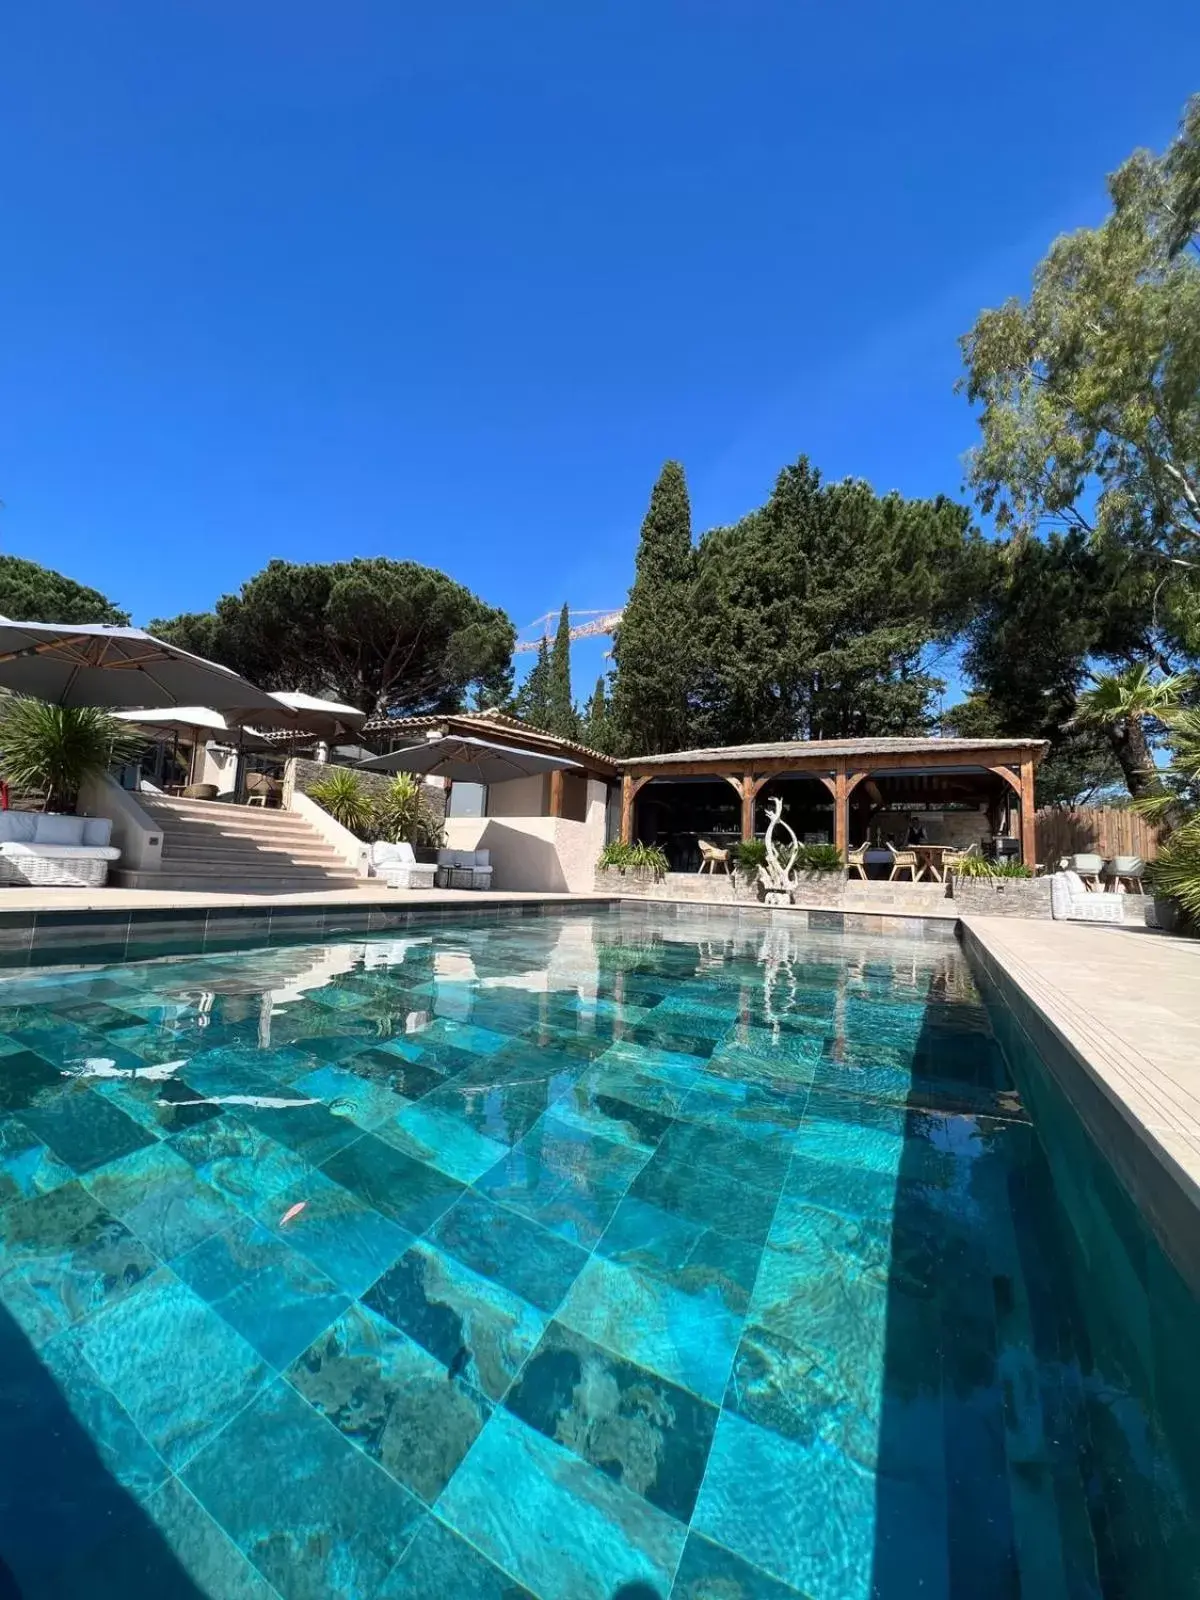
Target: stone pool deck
1115,1013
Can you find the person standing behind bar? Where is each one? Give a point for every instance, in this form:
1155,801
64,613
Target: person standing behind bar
916,832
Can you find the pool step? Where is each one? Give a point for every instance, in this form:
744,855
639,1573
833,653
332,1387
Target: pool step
212,847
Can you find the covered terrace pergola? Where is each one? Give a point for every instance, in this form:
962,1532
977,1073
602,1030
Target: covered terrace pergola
847,790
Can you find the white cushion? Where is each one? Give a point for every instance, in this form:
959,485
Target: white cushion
97,830
18,826
384,851
446,858
483,858
54,829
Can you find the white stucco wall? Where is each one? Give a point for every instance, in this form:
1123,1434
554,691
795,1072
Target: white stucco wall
534,852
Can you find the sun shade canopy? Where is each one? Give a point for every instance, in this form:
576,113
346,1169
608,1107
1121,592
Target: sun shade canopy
465,760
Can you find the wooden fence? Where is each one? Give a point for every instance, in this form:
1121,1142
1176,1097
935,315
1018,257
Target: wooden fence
1108,831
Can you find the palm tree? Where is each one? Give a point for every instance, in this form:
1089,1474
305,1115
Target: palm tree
1121,704
1176,873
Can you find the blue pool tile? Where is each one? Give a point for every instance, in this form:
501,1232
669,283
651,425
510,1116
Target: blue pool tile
408,1191
238,1160
174,1551
464,1036
438,1563
83,1129
587,1107
687,1338
516,1485
160,1198
706,1196
27,1167
400,1067
474,1326
63,1256
365,1102
569,1181
534,1263
275,1298
755,1161
501,1111
312,1131
709,1572
442,1140
641,1430
123,1450
691,1258
393,1399
23,1077
766,1116
347,1239
313,1514
162,1106
803,1515
179,1370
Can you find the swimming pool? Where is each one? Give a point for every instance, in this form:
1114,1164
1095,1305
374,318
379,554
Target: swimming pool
588,1257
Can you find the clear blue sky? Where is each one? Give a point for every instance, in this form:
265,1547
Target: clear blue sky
450,282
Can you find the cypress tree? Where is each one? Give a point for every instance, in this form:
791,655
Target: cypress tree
533,697
654,649
596,732
561,715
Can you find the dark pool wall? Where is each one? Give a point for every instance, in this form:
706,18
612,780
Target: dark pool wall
1140,1380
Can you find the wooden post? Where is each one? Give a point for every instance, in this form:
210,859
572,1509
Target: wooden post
556,792
1028,816
841,809
627,792
748,792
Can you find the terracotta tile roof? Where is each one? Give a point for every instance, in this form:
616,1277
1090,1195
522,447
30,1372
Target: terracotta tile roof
843,747
486,724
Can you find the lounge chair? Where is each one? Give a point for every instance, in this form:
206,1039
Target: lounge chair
464,869
902,860
55,851
1072,901
712,856
856,860
1124,872
953,859
398,866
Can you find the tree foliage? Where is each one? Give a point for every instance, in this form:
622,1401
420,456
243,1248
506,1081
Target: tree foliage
532,701
654,645
32,593
815,614
387,636
1089,392
561,715
597,731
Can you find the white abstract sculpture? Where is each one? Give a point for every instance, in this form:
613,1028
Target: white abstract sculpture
776,875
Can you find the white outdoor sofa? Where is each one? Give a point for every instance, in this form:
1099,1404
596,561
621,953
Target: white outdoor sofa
1071,900
464,869
399,868
49,849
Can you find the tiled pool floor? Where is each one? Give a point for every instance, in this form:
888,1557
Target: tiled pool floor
593,1258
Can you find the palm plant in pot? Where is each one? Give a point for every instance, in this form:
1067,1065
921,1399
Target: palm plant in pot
51,751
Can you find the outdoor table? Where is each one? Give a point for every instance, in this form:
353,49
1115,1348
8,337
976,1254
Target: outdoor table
929,860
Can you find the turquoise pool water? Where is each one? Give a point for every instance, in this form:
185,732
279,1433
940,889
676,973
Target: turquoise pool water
600,1257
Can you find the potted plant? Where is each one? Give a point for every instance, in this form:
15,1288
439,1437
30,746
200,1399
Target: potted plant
51,751
344,795
748,856
618,863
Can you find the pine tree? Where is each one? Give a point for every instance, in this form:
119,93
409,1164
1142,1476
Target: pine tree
596,731
562,717
653,648
533,697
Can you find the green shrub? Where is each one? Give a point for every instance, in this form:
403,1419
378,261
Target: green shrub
751,854
819,858
344,795
52,750
622,857
982,867
402,814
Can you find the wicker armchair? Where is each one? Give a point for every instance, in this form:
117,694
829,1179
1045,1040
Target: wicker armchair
952,859
856,860
712,856
902,861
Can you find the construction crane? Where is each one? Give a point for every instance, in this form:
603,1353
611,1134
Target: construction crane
602,622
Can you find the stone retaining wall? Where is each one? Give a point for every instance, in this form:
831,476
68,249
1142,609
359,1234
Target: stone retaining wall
716,888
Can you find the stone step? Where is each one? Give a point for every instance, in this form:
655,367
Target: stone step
250,850
287,881
228,818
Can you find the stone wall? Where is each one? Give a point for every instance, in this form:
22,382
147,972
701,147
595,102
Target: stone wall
716,888
1002,897
302,774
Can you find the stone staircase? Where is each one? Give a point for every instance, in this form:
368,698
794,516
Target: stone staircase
215,848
